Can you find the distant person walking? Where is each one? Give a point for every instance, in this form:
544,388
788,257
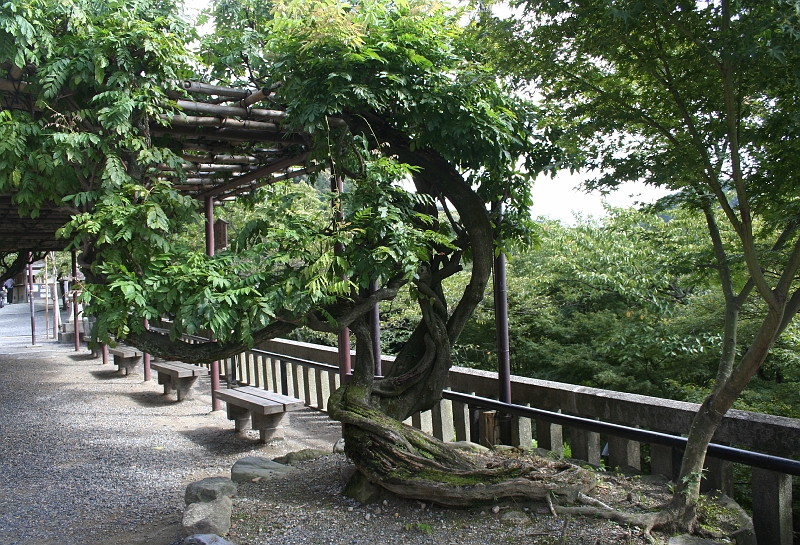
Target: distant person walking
9,287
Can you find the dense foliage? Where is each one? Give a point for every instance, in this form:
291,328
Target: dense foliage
628,303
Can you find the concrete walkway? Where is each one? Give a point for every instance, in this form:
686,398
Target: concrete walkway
15,323
91,457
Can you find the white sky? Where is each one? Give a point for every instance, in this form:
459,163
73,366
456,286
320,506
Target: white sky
558,198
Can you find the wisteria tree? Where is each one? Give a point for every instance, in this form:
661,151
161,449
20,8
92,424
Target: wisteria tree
379,94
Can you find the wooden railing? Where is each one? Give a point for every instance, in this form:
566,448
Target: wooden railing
309,372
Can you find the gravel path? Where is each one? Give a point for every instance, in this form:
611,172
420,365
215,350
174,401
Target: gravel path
90,457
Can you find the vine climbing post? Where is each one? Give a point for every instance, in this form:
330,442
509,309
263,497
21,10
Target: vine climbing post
216,404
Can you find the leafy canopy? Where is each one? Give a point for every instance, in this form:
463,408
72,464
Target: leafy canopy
99,77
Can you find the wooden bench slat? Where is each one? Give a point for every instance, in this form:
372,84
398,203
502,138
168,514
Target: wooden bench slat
124,352
179,369
290,403
252,403
173,371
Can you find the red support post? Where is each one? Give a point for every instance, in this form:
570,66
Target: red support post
146,357
75,301
30,292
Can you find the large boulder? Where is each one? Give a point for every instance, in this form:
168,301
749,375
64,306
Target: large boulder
257,468
212,517
210,489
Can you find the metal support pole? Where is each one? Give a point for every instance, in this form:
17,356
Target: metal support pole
216,404
30,291
75,300
501,329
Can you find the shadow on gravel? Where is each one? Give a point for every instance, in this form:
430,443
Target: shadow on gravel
83,356
220,442
107,373
152,399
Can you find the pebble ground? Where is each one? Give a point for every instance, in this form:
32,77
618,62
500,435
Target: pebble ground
91,457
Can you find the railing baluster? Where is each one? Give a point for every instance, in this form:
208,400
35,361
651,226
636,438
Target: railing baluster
624,453
333,385
585,445
442,415
275,366
662,461
284,367
461,421
297,382
257,370
474,423
772,507
550,436
718,475
322,395
309,386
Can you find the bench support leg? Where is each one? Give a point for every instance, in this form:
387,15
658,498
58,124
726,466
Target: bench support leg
239,415
127,366
166,381
183,387
270,426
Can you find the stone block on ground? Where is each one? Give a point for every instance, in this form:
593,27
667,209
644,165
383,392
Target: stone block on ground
467,445
338,447
212,517
686,539
300,456
210,489
206,539
515,518
257,467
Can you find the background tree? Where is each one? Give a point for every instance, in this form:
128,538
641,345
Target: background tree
628,302
698,97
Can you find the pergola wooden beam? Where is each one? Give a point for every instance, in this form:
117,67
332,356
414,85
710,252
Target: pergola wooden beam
240,181
230,148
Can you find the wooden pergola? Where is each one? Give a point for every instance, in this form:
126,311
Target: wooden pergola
232,141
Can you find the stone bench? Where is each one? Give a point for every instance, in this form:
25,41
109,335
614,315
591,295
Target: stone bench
266,409
125,357
178,376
